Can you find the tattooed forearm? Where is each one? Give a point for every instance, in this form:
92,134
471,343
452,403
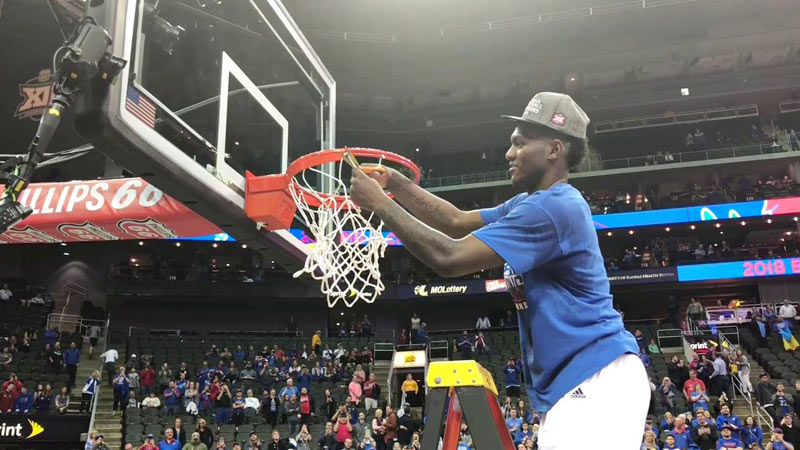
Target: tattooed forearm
430,209
428,245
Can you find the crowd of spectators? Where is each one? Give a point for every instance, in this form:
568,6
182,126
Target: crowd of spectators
278,385
35,350
729,190
664,252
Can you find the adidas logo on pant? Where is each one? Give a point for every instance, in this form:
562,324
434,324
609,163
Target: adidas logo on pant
578,394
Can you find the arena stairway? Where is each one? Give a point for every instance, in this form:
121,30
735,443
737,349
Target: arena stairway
109,426
740,407
85,369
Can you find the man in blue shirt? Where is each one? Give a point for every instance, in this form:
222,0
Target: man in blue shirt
777,441
730,419
576,354
172,398
514,425
289,389
727,441
512,372
72,357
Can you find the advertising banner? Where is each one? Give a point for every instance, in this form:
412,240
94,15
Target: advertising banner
441,289
103,210
756,208
739,269
639,276
30,429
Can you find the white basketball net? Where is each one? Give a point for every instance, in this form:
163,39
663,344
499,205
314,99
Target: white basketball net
348,268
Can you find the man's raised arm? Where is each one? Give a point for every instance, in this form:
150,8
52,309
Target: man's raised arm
435,212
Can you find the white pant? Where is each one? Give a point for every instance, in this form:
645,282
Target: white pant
620,392
370,403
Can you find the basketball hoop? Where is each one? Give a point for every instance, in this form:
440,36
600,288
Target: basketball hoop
349,242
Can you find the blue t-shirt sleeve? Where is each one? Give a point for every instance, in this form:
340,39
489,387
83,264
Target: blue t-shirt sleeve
492,215
525,237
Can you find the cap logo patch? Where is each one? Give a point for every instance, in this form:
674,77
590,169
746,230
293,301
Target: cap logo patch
535,106
559,119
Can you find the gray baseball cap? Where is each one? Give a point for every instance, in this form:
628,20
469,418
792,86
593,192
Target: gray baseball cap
556,111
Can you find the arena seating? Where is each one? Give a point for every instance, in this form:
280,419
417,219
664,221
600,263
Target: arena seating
29,367
192,350
782,366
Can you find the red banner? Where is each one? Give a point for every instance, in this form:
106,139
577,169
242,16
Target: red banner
103,210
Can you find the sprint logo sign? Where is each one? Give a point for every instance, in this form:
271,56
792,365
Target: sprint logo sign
16,430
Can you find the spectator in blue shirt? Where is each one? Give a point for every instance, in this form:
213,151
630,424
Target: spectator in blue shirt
751,433
24,401
304,380
681,433
289,389
777,441
239,406
514,425
668,423
512,372
51,336
421,335
699,399
465,346
172,397
121,385
72,357
169,442
727,440
727,418
669,443
524,433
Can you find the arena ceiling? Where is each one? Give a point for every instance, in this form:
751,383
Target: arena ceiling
413,55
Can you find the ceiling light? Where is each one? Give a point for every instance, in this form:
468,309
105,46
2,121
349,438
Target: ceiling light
177,244
743,223
214,245
769,220
788,233
721,232
66,254
667,229
133,259
609,234
630,231
692,227
717,225
795,218
244,245
227,265
63,244
141,242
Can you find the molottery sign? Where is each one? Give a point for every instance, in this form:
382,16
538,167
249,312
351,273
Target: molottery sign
36,428
466,287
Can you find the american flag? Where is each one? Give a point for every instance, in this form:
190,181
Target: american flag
141,107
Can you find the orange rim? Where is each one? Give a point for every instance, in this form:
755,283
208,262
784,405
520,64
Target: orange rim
321,157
